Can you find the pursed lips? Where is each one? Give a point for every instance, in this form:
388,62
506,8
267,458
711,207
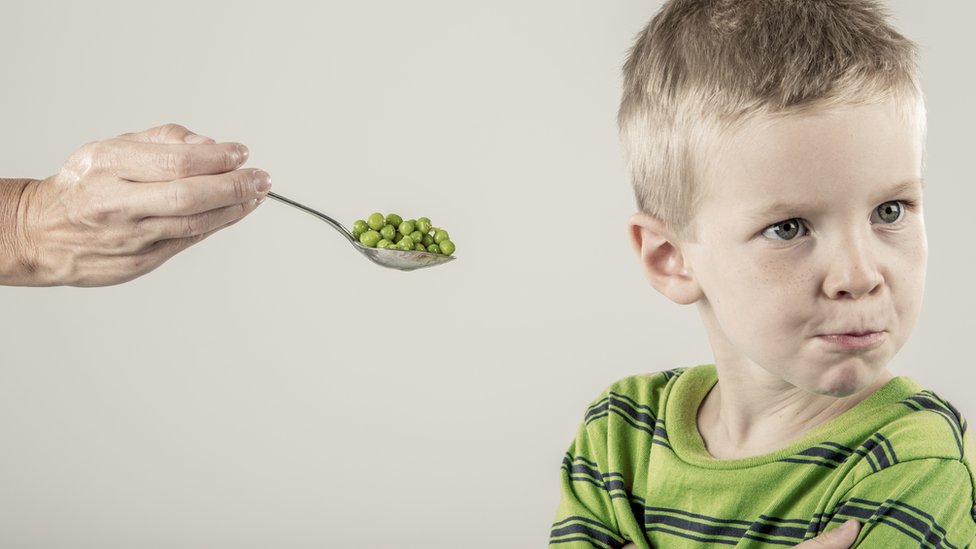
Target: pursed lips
854,338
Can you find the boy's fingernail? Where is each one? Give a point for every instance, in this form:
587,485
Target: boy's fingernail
262,181
849,524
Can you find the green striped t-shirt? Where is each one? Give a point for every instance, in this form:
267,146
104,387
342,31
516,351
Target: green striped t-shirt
900,462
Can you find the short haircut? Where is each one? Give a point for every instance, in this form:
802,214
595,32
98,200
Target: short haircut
704,67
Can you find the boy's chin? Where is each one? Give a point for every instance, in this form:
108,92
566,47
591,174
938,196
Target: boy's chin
844,381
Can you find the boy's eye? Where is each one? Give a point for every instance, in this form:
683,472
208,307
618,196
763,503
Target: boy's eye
888,213
785,230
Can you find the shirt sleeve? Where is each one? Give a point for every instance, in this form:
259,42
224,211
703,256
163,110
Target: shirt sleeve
912,504
585,516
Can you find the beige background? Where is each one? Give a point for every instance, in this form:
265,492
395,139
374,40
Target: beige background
270,387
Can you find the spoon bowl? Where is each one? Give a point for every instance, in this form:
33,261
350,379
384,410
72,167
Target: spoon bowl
403,260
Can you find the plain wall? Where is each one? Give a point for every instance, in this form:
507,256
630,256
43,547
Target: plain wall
270,387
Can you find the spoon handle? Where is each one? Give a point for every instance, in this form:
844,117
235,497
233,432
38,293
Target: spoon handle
335,224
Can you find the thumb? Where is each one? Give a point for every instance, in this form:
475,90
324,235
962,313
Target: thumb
838,538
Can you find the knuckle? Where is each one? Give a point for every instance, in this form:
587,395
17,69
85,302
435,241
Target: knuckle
241,185
120,243
146,234
177,163
96,214
189,226
92,156
171,127
172,131
127,245
176,198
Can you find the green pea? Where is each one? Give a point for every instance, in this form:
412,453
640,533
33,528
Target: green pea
407,226
441,235
406,243
423,225
393,219
359,227
417,236
447,247
397,237
419,247
384,243
370,238
427,240
388,232
375,221
434,249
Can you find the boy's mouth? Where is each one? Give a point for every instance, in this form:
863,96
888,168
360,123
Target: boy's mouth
854,340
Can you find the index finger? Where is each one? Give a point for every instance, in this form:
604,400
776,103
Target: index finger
140,161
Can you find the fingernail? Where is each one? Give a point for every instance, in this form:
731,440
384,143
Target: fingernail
243,152
849,524
262,181
261,199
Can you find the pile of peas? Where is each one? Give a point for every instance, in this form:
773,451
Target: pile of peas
377,231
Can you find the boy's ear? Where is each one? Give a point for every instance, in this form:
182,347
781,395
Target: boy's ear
663,262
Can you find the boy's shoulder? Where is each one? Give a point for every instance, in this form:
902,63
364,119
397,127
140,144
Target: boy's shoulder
640,399
644,389
919,429
926,426
645,386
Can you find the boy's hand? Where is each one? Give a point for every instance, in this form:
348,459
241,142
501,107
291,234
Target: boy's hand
841,537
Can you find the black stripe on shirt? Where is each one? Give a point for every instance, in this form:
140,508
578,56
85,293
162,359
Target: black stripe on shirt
878,452
927,400
585,529
907,519
826,454
717,530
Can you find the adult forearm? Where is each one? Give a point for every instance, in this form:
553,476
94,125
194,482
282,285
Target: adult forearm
15,266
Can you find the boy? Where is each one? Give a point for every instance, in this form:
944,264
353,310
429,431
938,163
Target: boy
776,150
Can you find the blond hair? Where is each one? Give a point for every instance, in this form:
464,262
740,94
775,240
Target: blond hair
704,67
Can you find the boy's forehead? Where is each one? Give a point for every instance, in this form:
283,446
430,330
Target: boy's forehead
842,151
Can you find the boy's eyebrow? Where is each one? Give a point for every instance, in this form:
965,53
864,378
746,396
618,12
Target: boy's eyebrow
907,185
782,208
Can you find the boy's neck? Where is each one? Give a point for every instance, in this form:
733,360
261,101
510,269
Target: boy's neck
740,418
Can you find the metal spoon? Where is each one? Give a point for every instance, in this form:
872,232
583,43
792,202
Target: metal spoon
394,259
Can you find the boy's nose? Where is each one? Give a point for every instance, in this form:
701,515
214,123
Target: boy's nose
853,272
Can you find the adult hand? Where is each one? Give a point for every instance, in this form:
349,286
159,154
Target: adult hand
121,207
841,537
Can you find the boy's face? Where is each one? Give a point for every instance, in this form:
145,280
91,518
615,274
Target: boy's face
811,247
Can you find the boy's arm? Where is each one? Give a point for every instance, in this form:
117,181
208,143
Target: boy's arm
585,517
919,503
841,537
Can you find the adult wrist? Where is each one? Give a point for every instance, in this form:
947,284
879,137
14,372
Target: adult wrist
18,265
